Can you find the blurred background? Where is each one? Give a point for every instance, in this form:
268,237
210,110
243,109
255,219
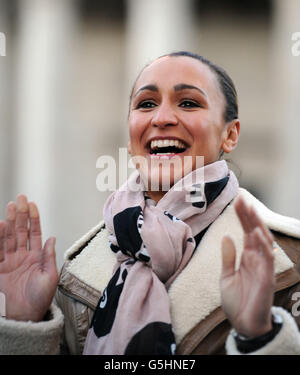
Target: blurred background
66,76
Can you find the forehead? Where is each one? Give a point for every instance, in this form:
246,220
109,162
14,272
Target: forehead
168,71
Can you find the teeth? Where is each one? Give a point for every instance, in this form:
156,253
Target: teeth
166,143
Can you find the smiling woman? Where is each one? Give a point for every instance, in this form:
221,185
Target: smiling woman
201,267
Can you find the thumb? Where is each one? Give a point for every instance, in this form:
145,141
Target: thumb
228,257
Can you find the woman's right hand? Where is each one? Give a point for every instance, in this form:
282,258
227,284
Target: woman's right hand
28,273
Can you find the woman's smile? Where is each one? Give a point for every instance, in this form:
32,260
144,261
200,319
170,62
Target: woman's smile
166,147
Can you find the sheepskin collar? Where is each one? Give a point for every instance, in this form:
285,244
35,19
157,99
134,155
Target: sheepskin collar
94,263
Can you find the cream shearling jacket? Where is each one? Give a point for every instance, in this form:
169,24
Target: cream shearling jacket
199,324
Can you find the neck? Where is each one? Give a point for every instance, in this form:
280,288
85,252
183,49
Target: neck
156,195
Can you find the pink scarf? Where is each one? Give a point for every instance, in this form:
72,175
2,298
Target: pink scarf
153,244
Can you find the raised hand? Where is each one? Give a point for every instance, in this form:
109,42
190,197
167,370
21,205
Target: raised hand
28,273
247,293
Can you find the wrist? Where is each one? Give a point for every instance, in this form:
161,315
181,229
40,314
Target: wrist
257,331
249,344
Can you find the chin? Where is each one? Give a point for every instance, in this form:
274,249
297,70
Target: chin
160,180
161,175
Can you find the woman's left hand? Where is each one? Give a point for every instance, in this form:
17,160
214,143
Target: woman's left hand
247,293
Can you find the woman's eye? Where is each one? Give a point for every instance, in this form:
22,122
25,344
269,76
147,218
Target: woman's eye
146,104
189,104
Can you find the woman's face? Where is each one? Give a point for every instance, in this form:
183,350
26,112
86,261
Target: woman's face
177,110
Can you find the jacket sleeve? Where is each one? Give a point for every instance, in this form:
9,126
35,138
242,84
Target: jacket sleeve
32,338
287,341
77,317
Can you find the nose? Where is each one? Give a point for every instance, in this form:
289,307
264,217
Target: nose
163,116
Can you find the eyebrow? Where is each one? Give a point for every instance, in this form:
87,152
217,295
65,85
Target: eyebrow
147,87
179,87
185,86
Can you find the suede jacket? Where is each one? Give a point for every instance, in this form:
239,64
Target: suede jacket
198,321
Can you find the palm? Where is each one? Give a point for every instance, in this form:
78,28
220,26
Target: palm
247,293
27,278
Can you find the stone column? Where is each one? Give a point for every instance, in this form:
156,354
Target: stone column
154,28
44,42
286,83
5,61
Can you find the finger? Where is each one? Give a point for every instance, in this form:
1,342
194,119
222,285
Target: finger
49,258
257,222
22,222
249,243
250,219
10,241
228,257
2,235
263,245
35,233
242,211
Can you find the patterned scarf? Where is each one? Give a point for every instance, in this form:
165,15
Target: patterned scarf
153,243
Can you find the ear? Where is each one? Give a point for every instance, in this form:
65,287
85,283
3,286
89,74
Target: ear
231,136
129,148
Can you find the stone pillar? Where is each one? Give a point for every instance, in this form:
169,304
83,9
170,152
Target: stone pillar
5,62
286,83
156,27
44,42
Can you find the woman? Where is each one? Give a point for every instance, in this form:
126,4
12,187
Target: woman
175,287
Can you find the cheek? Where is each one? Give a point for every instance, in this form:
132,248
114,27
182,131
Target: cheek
137,124
207,138
201,132
136,131
133,128
210,127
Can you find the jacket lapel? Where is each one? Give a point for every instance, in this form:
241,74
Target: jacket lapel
195,294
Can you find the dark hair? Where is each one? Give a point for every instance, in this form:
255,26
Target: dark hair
225,82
